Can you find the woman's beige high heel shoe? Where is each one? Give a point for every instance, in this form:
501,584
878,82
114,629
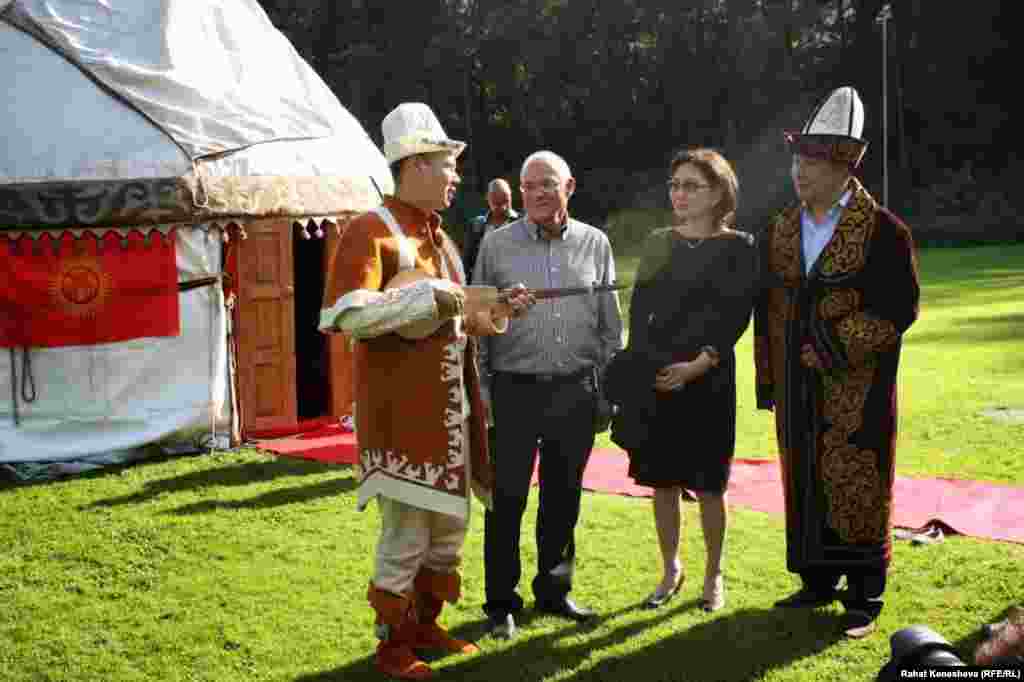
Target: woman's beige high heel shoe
660,598
714,593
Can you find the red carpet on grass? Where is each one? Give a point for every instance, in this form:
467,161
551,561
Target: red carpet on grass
304,426
328,443
975,508
972,508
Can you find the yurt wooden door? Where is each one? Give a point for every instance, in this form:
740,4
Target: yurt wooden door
266,327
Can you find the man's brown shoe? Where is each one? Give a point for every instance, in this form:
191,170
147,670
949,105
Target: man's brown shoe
434,636
399,660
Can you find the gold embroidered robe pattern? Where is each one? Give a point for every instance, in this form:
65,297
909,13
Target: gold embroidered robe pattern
836,427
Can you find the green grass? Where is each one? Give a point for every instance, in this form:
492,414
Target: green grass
241,566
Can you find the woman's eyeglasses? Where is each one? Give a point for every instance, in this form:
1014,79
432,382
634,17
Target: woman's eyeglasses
688,187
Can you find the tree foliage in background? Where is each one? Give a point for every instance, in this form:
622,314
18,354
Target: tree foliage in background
617,86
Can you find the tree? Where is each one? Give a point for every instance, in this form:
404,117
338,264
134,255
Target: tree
617,86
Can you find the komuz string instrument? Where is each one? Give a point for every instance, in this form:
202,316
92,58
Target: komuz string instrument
481,297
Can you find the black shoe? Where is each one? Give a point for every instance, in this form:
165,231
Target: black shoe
858,624
566,608
807,599
501,627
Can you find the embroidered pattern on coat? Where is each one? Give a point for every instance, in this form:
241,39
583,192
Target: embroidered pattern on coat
445,474
785,246
839,303
858,507
450,476
863,334
451,376
398,465
846,252
781,310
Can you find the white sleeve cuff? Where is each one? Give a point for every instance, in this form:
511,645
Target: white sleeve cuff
365,314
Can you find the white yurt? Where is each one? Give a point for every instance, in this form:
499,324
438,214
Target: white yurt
172,180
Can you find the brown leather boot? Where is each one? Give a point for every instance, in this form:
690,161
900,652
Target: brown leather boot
433,589
396,628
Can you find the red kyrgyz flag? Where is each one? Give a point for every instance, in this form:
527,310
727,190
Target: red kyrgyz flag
68,291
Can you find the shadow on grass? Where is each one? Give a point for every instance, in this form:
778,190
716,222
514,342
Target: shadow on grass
153,457
740,645
275,498
227,476
973,330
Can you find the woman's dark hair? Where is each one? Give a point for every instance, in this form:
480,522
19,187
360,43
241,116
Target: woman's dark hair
719,173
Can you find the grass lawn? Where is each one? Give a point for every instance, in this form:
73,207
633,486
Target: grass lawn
241,566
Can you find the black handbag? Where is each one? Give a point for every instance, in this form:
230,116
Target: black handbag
603,409
630,429
628,388
615,377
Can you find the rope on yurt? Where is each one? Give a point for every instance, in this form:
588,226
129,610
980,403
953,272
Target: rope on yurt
14,386
28,381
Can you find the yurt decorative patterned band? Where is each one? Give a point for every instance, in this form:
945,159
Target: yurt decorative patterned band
97,202
63,290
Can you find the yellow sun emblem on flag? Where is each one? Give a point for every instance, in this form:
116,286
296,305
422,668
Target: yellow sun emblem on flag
80,287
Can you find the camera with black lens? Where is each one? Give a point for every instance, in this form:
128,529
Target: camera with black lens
918,648
915,648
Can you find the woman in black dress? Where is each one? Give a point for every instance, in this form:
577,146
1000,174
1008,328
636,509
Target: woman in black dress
692,301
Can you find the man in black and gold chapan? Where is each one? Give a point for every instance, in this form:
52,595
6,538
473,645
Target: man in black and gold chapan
840,290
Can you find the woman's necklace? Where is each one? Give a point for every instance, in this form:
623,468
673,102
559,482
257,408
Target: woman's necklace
694,242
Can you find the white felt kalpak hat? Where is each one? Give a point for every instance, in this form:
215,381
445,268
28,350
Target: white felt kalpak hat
412,128
834,130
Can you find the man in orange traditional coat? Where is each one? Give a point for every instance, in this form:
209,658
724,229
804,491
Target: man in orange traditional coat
419,419
841,290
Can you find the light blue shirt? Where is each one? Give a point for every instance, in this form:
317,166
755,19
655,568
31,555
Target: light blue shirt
815,236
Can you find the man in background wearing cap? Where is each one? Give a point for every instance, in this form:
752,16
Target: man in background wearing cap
841,288
419,419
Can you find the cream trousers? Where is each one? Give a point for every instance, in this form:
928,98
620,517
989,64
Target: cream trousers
411,538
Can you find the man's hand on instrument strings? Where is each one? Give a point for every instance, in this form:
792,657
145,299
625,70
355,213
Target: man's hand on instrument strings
517,301
450,301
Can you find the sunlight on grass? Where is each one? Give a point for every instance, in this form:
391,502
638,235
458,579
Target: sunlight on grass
241,566
126,576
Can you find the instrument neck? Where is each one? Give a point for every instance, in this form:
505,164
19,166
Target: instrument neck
541,294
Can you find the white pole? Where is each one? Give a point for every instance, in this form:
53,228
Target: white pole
885,107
